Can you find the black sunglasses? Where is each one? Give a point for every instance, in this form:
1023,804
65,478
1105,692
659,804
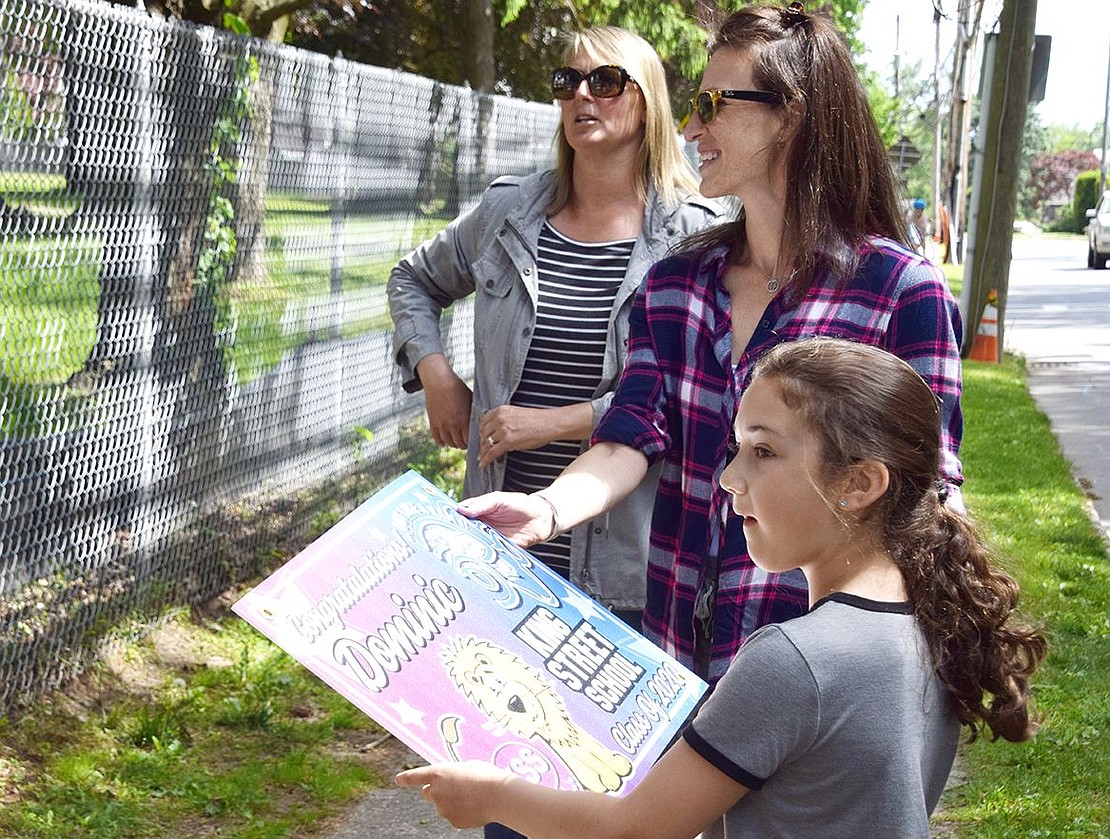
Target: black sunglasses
706,103
605,82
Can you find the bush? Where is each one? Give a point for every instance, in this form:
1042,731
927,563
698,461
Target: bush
1065,221
1086,198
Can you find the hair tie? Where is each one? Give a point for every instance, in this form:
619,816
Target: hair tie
792,15
942,491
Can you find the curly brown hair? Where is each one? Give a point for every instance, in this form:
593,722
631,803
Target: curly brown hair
865,404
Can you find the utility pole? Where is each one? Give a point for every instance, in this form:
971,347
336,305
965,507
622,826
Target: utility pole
968,18
1001,129
1105,119
898,68
936,120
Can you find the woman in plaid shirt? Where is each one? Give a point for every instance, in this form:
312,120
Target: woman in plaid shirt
819,247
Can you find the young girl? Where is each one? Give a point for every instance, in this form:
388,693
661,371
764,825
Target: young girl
843,722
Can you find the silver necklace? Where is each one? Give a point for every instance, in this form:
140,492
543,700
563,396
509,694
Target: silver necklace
774,283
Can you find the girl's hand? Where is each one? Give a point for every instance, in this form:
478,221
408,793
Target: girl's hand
459,791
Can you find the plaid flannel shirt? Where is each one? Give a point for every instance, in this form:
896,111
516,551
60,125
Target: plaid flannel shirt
677,400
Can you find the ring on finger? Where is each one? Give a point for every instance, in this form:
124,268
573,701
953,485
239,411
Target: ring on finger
491,441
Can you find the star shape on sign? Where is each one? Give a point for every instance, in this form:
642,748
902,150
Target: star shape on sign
580,602
408,715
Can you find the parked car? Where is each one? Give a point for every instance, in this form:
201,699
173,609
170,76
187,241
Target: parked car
1098,233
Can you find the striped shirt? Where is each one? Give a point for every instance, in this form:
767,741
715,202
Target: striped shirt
677,399
578,285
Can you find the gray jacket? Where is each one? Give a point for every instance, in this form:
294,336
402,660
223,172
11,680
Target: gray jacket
491,252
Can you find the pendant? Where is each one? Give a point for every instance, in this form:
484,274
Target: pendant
773,285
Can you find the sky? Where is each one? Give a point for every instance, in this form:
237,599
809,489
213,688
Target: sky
1076,90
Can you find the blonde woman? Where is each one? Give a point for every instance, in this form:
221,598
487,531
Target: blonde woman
554,260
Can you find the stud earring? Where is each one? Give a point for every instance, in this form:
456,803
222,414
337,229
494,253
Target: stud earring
843,503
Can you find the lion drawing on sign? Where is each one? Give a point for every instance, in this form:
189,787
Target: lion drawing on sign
517,697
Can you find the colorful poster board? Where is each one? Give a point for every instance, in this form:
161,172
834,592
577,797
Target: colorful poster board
463,646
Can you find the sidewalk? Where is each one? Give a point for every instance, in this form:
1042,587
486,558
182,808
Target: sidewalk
397,813
1058,318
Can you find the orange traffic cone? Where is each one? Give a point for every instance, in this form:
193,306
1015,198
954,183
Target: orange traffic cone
985,345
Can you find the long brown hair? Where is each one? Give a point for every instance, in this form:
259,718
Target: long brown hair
841,188
866,404
661,163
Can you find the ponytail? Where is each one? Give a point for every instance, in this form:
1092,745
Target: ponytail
964,606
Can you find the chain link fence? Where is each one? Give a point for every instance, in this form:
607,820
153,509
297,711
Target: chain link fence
195,369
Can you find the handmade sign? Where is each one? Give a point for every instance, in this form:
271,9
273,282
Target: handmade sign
464,646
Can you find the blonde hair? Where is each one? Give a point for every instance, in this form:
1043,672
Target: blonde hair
661,163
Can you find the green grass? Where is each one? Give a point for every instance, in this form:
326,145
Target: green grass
48,294
1019,486
238,740
49,291
955,276
23,183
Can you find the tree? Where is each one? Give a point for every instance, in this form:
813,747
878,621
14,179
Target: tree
419,36
912,115
987,272
265,19
108,193
478,65
955,174
1052,178
1072,137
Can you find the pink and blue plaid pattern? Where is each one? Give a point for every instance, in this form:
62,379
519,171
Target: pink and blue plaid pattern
677,400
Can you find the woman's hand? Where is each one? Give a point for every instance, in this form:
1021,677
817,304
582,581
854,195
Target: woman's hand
509,428
598,479
447,400
459,791
522,519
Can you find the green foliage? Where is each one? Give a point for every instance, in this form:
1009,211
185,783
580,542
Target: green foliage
883,105
236,24
1034,142
253,706
848,15
420,36
1066,222
443,466
222,167
1086,195
161,726
670,26
912,114
1060,138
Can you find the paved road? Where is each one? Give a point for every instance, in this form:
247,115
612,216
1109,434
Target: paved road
1058,317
